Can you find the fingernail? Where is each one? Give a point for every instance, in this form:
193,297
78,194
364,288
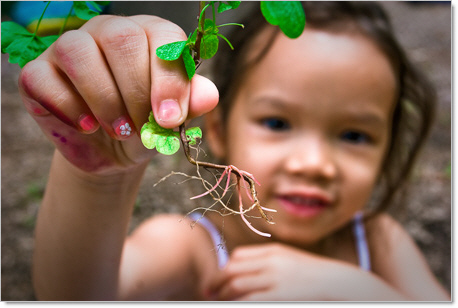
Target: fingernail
123,127
169,111
87,123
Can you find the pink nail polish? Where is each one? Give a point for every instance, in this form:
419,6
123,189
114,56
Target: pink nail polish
123,127
87,122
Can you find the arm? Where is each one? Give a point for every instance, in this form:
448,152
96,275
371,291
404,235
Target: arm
398,260
80,233
280,272
276,272
78,90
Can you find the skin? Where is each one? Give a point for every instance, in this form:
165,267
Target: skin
82,249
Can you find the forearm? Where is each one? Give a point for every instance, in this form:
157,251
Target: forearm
80,232
358,285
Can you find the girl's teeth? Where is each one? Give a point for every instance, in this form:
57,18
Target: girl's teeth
306,201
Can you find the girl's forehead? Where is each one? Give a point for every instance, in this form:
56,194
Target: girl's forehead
316,53
324,66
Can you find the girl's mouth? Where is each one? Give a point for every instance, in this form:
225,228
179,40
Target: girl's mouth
304,206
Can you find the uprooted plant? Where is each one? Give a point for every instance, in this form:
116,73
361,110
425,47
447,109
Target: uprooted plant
203,44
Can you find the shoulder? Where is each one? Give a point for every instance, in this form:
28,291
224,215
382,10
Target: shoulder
397,259
167,253
388,241
179,234
383,229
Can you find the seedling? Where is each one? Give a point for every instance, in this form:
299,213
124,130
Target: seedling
203,44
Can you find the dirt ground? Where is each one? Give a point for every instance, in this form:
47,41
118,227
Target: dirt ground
425,31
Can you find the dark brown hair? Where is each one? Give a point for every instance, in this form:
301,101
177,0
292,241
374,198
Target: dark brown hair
415,105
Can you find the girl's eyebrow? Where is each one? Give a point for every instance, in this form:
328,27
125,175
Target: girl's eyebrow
369,116
271,102
374,118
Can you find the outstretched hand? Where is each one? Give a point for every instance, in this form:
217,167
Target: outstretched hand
93,89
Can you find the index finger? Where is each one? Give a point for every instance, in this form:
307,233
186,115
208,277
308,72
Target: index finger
170,86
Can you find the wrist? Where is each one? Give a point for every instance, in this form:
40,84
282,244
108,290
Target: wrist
107,180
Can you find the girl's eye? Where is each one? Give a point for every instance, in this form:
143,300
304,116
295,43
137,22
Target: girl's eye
275,124
355,137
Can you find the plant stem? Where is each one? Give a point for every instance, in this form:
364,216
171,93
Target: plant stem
200,31
231,24
182,130
41,17
65,21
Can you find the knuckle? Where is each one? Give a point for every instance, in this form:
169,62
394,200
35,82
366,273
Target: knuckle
237,253
235,286
72,45
32,75
164,30
97,19
119,32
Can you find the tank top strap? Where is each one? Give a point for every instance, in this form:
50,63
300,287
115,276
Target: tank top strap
220,248
362,248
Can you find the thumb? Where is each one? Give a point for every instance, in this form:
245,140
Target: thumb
204,96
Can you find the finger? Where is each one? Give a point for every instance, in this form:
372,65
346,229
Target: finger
170,87
43,90
252,251
126,50
204,96
256,296
78,56
242,285
234,269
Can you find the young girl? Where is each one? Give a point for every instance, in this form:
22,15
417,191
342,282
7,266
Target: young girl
328,123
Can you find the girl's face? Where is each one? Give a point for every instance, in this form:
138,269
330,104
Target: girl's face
312,123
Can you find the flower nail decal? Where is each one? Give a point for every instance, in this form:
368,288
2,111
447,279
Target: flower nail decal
123,128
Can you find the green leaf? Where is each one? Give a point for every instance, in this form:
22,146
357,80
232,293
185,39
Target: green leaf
228,6
210,27
171,51
167,145
227,41
288,15
102,2
192,134
209,46
49,40
155,136
189,62
25,49
83,11
11,31
148,137
96,5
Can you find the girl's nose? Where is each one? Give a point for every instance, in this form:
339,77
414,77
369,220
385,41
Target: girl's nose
312,158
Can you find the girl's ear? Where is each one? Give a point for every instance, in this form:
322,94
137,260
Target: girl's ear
214,131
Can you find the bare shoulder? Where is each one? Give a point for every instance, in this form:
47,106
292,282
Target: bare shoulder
389,243
396,258
384,229
164,257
